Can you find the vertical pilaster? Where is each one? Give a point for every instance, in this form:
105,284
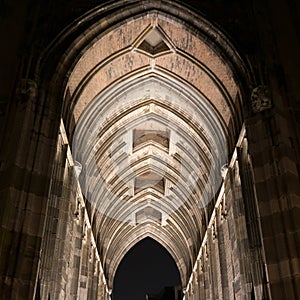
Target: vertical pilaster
273,136
24,187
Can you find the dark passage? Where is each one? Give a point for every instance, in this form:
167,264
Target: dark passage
147,268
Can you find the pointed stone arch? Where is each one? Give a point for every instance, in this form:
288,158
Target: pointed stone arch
96,66
154,233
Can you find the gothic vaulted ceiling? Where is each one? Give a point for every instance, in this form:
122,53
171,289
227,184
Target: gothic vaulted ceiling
155,111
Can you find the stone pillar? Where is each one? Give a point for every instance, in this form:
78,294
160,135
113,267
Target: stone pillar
277,185
201,279
224,251
273,136
214,261
254,256
30,141
59,266
206,269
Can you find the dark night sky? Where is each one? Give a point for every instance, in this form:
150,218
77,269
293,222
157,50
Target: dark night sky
146,268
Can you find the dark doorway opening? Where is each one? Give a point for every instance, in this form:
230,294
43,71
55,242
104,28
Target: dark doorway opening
147,268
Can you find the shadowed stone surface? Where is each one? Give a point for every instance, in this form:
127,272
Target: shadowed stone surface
125,120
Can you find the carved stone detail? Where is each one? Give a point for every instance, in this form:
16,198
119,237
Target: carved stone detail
206,255
224,170
261,98
77,168
224,211
27,87
214,230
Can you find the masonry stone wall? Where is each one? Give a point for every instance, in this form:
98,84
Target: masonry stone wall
230,264
251,246
70,266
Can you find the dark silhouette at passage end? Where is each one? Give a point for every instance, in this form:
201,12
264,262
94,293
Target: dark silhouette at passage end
147,271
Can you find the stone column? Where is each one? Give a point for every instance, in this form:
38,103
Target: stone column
224,252
277,185
238,234
30,141
273,136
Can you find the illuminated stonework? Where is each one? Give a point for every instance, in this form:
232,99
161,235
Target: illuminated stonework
154,119
142,119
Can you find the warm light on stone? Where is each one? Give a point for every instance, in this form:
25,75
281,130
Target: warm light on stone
146,119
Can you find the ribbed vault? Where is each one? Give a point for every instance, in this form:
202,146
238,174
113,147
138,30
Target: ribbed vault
156,110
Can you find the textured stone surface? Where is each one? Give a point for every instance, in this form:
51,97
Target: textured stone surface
51,238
